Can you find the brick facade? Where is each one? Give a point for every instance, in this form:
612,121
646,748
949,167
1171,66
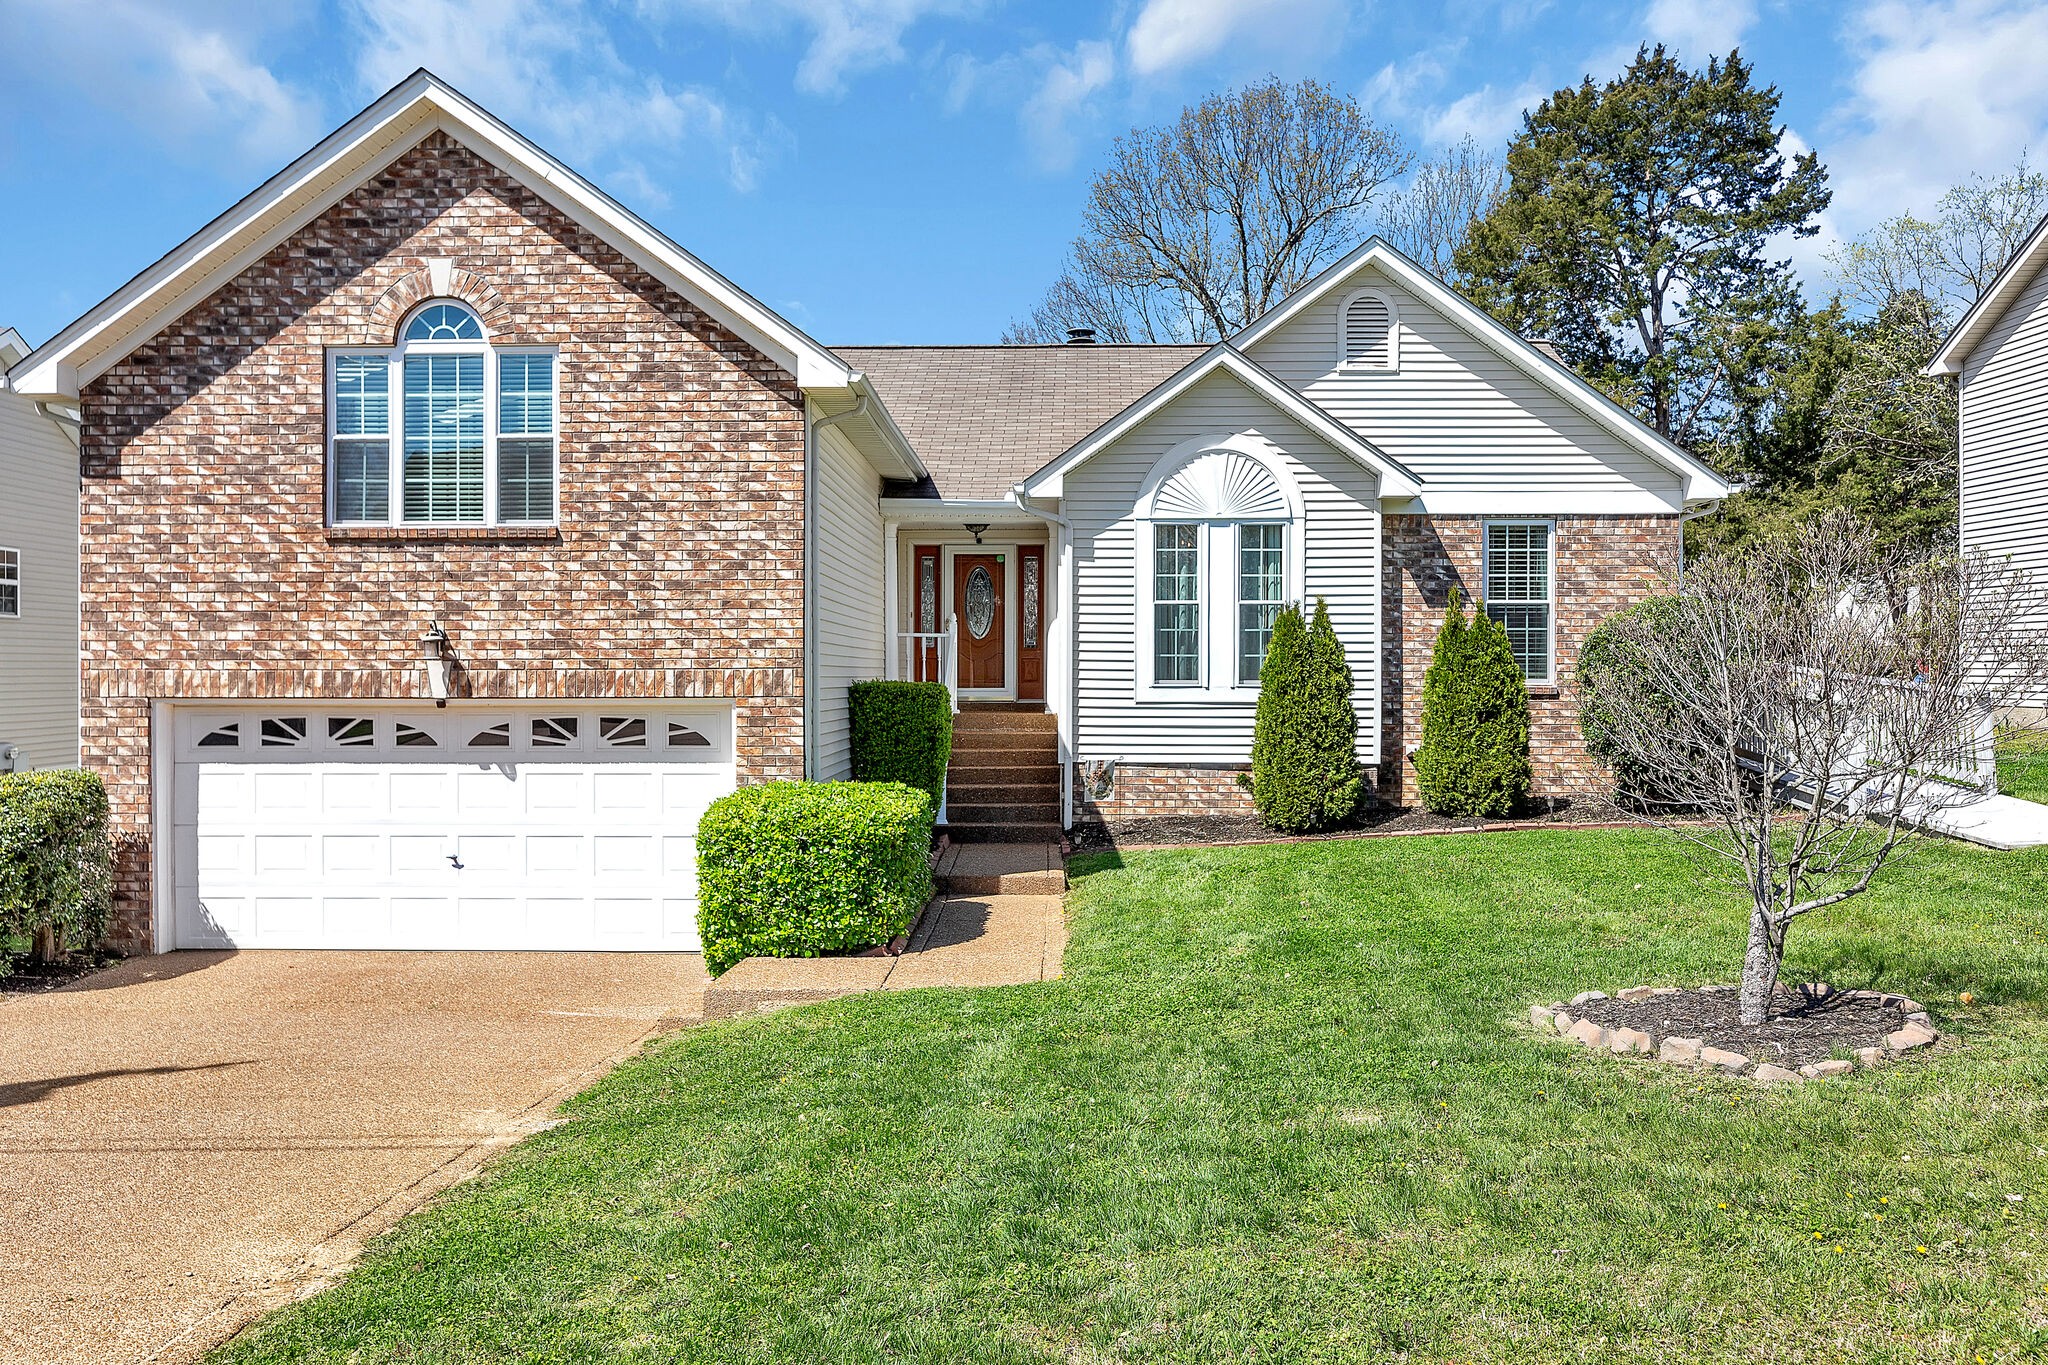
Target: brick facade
1142,791
209,572
1603,563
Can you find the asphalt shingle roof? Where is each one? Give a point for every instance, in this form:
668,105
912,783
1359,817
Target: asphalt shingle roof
983,418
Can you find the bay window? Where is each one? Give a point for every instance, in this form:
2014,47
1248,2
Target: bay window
444,430
1520,592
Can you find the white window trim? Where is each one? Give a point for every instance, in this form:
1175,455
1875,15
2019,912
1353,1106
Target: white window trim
1217,569
15,581
1345,363
1486,576
395,357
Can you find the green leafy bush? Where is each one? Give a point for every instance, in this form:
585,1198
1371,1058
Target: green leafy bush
56,860
1474,758
1606,660
796,869
902,732
1305,739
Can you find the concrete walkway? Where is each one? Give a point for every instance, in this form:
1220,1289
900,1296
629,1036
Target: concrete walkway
188,1140
999,920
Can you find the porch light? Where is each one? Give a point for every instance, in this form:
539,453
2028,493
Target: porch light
975,528
438,662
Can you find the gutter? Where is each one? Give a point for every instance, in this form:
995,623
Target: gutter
1703,510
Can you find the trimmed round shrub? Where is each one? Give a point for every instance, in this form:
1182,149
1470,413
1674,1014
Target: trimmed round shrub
1305,739
1474,757
796,869
902,732
56,860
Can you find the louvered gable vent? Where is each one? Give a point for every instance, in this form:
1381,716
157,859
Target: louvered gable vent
1368,333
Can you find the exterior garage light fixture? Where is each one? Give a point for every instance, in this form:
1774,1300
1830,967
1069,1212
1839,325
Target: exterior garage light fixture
975,528
438,662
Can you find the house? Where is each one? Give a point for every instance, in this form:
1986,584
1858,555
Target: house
452,538
1998,353
38,577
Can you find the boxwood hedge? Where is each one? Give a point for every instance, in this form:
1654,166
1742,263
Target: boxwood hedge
796,869
902,732
56,860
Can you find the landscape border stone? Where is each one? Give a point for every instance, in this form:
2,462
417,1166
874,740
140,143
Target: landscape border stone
1916,1033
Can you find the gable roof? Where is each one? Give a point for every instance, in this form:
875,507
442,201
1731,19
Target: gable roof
984,418
1701,483
395,123
1396,479
12,348
1983,315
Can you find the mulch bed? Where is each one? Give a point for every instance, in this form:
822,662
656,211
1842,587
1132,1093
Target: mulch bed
1160,831
1806,1027
35,978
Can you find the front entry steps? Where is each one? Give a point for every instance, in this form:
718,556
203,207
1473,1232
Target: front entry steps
1003,783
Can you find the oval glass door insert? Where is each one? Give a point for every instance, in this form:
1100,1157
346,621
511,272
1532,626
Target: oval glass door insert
981,602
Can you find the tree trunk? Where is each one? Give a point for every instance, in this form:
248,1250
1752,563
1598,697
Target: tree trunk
48,945
1760,966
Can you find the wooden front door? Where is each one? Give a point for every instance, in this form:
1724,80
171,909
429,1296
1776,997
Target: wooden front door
978,603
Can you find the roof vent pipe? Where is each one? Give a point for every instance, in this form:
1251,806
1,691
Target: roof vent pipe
1080,336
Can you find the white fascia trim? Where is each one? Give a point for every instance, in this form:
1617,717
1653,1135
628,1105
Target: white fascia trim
945,509
1702,483
338,164
885,422
1983,315
1395,479
12,348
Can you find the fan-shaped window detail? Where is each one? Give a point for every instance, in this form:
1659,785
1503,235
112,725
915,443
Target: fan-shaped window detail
1366,332
444,322
1221,485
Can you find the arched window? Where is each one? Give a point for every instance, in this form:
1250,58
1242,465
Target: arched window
1219,542
443,429
1368,336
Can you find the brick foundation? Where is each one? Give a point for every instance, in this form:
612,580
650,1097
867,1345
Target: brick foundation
1140,791
209,572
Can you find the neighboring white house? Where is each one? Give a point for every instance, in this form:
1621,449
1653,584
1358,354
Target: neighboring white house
38,578
1999,356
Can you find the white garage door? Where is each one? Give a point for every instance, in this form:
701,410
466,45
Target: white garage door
296,825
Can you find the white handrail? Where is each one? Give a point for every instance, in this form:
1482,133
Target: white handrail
927,656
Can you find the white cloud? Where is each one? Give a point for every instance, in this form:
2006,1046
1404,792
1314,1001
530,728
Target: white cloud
1486,115
187,78
1940,91
1699,29
847,36
1051,87
548,68
1170,34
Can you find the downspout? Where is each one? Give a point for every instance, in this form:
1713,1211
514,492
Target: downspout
812,445
1069,687
1707,509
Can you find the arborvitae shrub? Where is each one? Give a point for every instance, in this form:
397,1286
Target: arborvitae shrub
1304,745
1474,758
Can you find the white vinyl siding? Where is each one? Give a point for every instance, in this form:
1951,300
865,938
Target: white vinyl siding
1340,537
2004,425
1461,417
850,543
39,647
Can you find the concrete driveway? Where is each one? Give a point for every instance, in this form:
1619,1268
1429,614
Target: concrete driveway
188,1140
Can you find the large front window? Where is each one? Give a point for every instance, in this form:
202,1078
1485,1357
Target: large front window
1176,604
1216,588
473,427
1261,590
1519,591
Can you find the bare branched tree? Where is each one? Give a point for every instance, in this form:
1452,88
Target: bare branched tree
1197,227
1797,723
1951,258
1430,217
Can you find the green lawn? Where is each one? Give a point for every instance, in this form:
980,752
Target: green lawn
1280,1110
2023,766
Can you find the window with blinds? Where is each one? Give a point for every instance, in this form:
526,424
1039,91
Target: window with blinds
1366,326
444,430
1520,588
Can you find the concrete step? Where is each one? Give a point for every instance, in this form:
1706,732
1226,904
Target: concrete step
994,770
1001,741
1010,832
981,722
1000,812
1000,708
976,790
1002,870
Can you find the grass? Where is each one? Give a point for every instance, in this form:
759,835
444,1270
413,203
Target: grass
2023,765
1281,1109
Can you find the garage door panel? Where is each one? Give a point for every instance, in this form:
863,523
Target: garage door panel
555,826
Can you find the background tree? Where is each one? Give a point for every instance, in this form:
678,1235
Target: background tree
1474,755
1951,258
1430,217
1199,226
1305,736
1798,739
1635,232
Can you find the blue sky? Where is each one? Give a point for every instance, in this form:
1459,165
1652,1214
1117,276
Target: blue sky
903,170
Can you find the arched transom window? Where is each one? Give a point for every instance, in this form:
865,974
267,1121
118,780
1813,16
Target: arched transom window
443,429
1368,337
1219,537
